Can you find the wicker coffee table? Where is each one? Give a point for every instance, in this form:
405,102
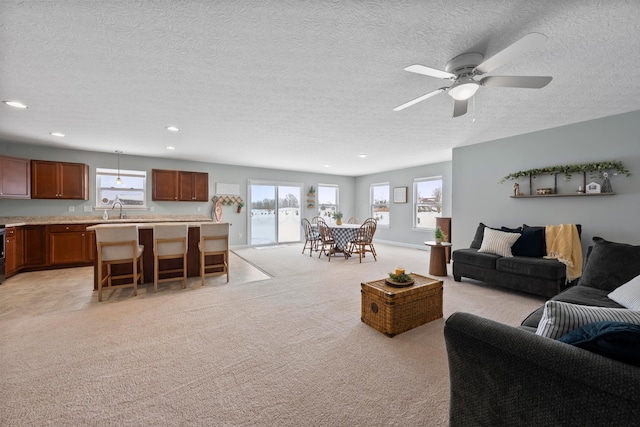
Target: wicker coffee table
393,311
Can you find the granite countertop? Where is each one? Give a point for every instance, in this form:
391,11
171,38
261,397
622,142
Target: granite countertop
16,221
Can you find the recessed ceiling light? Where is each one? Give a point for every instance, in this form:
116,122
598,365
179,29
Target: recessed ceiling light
168,147
362,156
172,128
59,134
15,104
327,166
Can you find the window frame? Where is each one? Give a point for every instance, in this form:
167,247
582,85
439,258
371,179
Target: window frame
373,205
328,219
417,204
124,174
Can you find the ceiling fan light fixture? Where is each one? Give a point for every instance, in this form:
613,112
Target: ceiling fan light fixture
464,89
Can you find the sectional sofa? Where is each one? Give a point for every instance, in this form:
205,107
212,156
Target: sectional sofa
590,376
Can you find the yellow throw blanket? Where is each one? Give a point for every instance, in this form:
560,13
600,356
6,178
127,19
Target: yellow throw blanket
563,244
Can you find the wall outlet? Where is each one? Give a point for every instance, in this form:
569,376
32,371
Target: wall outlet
87,209
72,208
198,209
240,235
152,208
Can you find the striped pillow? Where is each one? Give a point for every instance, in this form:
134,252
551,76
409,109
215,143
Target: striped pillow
559,317
498,242
628,295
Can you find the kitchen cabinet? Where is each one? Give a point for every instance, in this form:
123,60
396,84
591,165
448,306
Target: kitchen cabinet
173,185
14,250
165,185
15,178
59,180
35,246
67,244
193,186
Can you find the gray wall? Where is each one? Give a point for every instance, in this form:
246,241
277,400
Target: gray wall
218,173
400,229
479,198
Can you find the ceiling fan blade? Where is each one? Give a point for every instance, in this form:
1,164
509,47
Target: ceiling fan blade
528,42
422,98
428,71
460,108
531,82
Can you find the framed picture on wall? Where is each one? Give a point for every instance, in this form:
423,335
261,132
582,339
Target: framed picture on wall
400,194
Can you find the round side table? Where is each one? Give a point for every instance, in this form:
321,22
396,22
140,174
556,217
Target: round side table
438,261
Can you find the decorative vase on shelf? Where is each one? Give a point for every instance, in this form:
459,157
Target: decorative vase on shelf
339,221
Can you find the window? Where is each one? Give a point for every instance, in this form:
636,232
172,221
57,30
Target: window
132,193
380,203
327,201
427,196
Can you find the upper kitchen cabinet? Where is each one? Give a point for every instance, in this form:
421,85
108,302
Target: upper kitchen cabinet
59,180
193,186
172,185
15,178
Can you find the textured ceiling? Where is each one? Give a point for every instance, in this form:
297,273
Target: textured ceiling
294,84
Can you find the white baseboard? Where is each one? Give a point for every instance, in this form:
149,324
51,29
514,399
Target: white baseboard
404,245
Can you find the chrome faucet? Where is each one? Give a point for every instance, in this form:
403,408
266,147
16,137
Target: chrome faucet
117,202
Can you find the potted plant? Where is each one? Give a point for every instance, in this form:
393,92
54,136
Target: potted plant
338,217
439,235
312,191
240,206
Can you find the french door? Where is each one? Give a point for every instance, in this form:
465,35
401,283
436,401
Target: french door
275,212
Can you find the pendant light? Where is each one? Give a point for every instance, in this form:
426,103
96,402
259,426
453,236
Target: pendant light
119,180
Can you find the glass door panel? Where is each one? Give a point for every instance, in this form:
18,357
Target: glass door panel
288,214
263,215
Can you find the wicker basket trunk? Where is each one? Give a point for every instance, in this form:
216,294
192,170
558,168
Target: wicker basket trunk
393,311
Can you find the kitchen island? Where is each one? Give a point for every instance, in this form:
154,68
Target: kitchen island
145,237
50,242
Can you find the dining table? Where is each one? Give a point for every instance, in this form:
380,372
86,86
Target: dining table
342,234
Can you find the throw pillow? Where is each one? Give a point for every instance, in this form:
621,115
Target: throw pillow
540,229
628,295
559,317
617,340
477,239
531,243
610,265
498,242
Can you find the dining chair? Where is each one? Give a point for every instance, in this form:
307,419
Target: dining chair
214,244
327,242
312,237
315,219
352,220
363,242
119,245
169,243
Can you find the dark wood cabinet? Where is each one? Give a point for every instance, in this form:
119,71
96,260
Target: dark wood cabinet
193,186
90,241
165,185
14,251
172,185
59,180
15,178
35,246
67,244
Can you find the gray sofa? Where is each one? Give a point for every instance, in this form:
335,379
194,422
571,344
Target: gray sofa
526,271
504,375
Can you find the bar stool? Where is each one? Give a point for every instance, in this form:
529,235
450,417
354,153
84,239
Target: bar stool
214,240
119,245
169,242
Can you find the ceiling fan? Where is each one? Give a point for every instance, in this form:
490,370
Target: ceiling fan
464,69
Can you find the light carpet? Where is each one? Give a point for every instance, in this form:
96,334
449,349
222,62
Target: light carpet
286,351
